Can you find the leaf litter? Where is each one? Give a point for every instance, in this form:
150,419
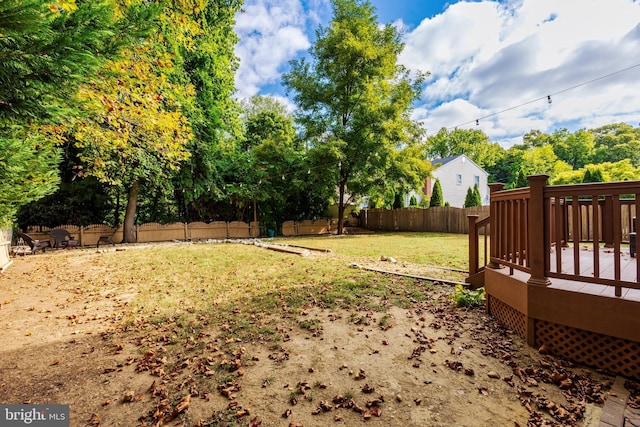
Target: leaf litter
443,365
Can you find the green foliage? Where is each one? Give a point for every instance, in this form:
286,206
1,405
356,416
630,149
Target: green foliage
469,199
521,180
413,201
398,201
202,48
616,142
28,171
354,104
576,148
593,174
436,195
46,53
473,143
463,297
473,197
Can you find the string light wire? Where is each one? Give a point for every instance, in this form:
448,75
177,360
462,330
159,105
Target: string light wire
547,97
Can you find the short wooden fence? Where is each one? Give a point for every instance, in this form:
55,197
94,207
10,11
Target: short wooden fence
153,232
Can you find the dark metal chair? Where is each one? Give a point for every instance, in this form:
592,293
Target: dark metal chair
34,244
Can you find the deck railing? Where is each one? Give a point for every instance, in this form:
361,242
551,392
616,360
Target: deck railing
531,229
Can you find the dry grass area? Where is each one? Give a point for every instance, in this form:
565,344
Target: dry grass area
238,335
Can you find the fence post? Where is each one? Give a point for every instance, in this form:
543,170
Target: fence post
537,225
493,213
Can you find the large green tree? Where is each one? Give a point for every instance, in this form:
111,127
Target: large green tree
202,46
474,143
354,102
576,149
46,52
616,142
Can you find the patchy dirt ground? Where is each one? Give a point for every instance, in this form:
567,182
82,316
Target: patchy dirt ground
428,365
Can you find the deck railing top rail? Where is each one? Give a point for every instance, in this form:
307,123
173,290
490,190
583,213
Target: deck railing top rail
593,189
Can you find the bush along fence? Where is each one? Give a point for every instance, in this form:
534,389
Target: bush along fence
434,219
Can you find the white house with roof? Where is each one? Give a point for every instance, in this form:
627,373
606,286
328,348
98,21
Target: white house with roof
456,175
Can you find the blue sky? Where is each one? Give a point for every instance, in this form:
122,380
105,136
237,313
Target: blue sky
491,61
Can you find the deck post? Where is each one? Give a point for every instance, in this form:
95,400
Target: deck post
607,221
493,214
473,245
538,230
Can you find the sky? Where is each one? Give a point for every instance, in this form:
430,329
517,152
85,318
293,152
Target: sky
505,67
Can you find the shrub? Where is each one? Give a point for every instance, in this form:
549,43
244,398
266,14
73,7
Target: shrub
464,297
436,195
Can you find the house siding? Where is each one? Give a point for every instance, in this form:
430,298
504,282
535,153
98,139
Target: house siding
455,192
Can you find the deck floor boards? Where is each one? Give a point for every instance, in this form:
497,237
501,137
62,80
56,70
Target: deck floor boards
628,271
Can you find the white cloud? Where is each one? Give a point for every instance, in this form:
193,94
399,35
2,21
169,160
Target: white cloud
271,33
500,55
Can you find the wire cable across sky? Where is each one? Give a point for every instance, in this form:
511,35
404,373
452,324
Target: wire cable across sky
547,97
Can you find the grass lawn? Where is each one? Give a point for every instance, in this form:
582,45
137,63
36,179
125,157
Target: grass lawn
188,280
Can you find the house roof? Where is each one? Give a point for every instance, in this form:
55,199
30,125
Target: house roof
446,160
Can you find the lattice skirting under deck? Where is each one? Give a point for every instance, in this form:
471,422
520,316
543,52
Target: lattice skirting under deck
507,315
615,355
598,351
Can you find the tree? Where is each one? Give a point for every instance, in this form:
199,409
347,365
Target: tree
576,149
436,195
136,134
398,201
469,199
202,48
593,174
45,54
616,142
474,143
354,102
473,197
542,160
413,201
476,195
521,180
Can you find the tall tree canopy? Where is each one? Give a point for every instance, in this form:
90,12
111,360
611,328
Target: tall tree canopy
203,47
46,51
474,143
354,102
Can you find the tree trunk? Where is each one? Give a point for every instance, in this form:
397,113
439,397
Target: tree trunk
130,213
341,208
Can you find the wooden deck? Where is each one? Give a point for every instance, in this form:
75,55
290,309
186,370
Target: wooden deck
606,257
582,301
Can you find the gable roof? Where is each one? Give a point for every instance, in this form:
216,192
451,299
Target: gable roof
446,160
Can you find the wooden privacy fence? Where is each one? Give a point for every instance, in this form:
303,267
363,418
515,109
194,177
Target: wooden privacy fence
435,219
153,232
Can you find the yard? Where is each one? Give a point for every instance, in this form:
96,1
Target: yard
235,334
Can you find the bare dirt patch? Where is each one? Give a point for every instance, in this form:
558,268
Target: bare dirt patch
63,340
